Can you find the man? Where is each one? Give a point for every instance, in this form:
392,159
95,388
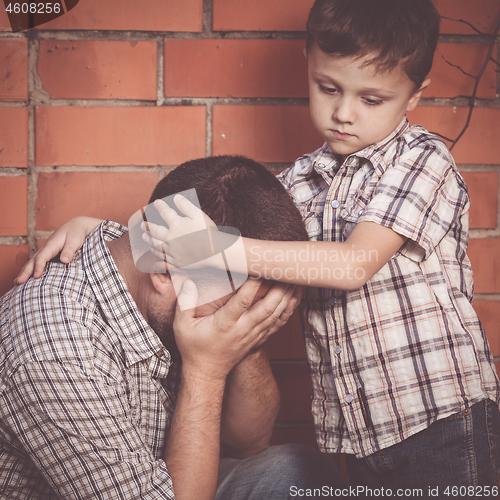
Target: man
98,399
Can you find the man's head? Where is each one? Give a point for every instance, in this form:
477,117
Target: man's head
238,192
233,191
368,62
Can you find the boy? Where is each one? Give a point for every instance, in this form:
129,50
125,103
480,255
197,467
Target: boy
403,380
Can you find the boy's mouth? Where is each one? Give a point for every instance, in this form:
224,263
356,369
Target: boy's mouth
342,136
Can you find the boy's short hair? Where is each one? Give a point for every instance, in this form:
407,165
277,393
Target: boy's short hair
393,31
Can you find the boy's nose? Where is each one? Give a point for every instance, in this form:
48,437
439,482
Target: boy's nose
344,111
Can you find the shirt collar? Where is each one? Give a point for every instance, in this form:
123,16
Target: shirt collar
139,341
327,160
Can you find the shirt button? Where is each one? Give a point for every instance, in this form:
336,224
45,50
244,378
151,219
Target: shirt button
337,349
348,398
360,212
335,203
332,301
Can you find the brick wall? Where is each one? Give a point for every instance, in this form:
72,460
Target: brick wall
97,105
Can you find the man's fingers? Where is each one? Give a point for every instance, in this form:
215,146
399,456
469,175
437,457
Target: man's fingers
264,312
186,301
239,303
269,309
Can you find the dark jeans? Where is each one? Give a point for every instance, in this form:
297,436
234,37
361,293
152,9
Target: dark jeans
457,457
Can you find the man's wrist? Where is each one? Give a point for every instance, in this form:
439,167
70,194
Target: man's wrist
201,377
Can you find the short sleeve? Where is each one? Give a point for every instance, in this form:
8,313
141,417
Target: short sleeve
81,436
421,198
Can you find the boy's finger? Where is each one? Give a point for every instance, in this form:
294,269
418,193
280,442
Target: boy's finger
187,208
71,246
25,272
157,244
156,231
169,215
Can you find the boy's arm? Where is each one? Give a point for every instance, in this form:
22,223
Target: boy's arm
67,239
343,265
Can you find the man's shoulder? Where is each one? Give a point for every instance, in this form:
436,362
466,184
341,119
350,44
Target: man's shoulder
47,319
53,318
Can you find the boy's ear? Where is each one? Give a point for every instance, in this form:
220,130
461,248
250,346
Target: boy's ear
412,103
305,52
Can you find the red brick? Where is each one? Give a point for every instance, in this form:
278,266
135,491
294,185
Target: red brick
287,343
119,135
489,314
448,81
294,434
14,206
245,68
13,137
153,15
106,195
295,390
13,69
483,14
91,69
260,15
483,191
484,254
12,259
266,133
4,20
478,145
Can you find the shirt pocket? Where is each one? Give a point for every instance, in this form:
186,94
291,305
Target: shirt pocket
351,214
313,222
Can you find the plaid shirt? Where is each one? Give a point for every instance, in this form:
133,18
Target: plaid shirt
83,408
406,349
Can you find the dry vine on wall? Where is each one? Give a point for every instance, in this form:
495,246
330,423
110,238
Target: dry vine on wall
477,78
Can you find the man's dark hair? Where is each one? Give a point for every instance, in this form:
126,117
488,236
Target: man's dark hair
392,31
237,192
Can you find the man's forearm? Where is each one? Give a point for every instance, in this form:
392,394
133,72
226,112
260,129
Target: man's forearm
193,450
251,404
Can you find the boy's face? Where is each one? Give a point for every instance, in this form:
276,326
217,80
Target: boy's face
352,106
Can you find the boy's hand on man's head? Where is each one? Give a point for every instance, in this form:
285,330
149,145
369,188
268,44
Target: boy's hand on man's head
185,240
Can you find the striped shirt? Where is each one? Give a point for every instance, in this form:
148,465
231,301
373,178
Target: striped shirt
407,348
85,402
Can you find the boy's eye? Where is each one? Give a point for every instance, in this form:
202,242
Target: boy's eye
327,90
372,102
